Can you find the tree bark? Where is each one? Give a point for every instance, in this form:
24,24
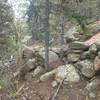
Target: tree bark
46,26
62,22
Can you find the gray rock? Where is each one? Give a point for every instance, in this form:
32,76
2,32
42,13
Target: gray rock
93,48
26,68
73,57
54,84
85,55
77,45
88,55
68,73
94,84
98,45
70,35
86,67
38,71
30,63
64,72
27,53
52,56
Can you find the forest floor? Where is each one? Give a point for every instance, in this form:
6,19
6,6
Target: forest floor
34,90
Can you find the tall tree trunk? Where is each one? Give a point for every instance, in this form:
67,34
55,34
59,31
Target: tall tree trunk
62,29
34,30
62,22
46,26
34,23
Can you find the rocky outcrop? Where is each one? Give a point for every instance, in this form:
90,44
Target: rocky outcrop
66,62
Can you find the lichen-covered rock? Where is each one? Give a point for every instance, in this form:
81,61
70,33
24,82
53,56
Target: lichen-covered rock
68,73
73,57
86,67
93,48
64,72
94,84
77,45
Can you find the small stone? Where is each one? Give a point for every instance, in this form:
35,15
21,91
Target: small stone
54,84
73,57
37,71
92,95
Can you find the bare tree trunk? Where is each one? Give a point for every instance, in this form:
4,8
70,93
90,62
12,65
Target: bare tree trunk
34,29
62,29
34,22
62,22
46,26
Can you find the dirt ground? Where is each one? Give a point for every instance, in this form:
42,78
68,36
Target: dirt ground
35,90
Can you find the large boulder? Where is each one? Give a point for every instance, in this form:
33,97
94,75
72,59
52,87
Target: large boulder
27,52
27,67
86,67
77,45
52,56
54,60
73,57
64,72
68,73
